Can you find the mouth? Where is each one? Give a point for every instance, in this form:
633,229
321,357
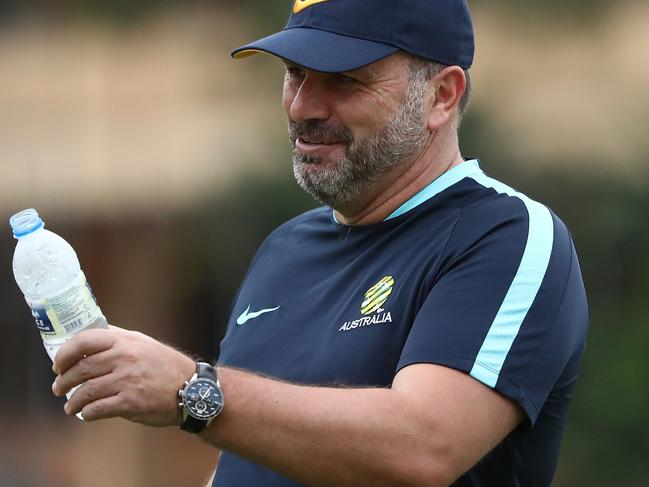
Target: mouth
318,141
319,147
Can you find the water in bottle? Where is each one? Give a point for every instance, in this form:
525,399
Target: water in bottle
48,273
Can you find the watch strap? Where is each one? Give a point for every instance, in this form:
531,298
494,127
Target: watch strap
191,424
205,371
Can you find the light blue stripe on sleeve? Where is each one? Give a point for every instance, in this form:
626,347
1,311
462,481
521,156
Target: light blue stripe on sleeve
522,291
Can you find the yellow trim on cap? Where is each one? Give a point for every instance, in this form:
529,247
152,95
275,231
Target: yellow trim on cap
300,5
247,53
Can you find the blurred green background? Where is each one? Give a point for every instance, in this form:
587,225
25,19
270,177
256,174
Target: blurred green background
165,164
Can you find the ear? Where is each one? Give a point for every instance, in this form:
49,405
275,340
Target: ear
448,87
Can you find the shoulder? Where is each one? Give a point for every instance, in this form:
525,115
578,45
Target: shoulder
502,208
503,222
312,218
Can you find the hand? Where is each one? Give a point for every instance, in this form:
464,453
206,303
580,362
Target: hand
207,393
124,373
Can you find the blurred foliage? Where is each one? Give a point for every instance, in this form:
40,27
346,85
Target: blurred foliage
269,14
607,433
115,11
574,8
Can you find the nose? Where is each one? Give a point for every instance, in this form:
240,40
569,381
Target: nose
309,98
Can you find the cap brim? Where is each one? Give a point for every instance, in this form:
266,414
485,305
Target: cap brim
318,50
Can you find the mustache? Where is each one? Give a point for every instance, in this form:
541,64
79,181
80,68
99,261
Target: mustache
314,129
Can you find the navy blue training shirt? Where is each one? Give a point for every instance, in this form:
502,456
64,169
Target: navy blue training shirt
468,273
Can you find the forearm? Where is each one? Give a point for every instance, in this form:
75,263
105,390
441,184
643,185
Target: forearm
327,436
430,427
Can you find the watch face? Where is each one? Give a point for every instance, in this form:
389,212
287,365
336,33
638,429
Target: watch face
202,399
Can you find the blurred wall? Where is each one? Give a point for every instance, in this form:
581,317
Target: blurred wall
165,164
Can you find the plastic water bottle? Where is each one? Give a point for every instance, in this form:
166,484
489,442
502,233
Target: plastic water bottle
48,273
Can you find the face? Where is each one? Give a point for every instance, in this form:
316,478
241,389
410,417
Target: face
349,129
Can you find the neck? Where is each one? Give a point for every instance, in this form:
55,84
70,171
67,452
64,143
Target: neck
397,186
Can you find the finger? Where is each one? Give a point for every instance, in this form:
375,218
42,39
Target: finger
107,407
95,365
84,343
91,391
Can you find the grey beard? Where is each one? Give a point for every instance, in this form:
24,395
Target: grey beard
365,160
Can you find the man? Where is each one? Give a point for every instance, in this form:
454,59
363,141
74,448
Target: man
427,331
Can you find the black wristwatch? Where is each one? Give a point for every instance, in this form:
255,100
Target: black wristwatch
201,399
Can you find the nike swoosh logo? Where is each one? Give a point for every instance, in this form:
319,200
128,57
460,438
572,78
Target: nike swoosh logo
300,5
245,316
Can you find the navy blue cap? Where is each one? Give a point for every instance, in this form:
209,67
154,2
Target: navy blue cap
342,35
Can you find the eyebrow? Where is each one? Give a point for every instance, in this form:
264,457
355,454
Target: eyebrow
364,71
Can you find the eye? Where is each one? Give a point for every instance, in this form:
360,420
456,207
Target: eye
347,79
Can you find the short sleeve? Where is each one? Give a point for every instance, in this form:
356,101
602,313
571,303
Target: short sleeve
508,305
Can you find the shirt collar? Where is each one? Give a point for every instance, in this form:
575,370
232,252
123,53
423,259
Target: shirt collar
445,181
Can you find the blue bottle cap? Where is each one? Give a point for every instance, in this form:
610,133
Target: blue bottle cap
25,222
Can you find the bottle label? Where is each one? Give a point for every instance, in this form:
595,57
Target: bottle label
67,312
43,322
